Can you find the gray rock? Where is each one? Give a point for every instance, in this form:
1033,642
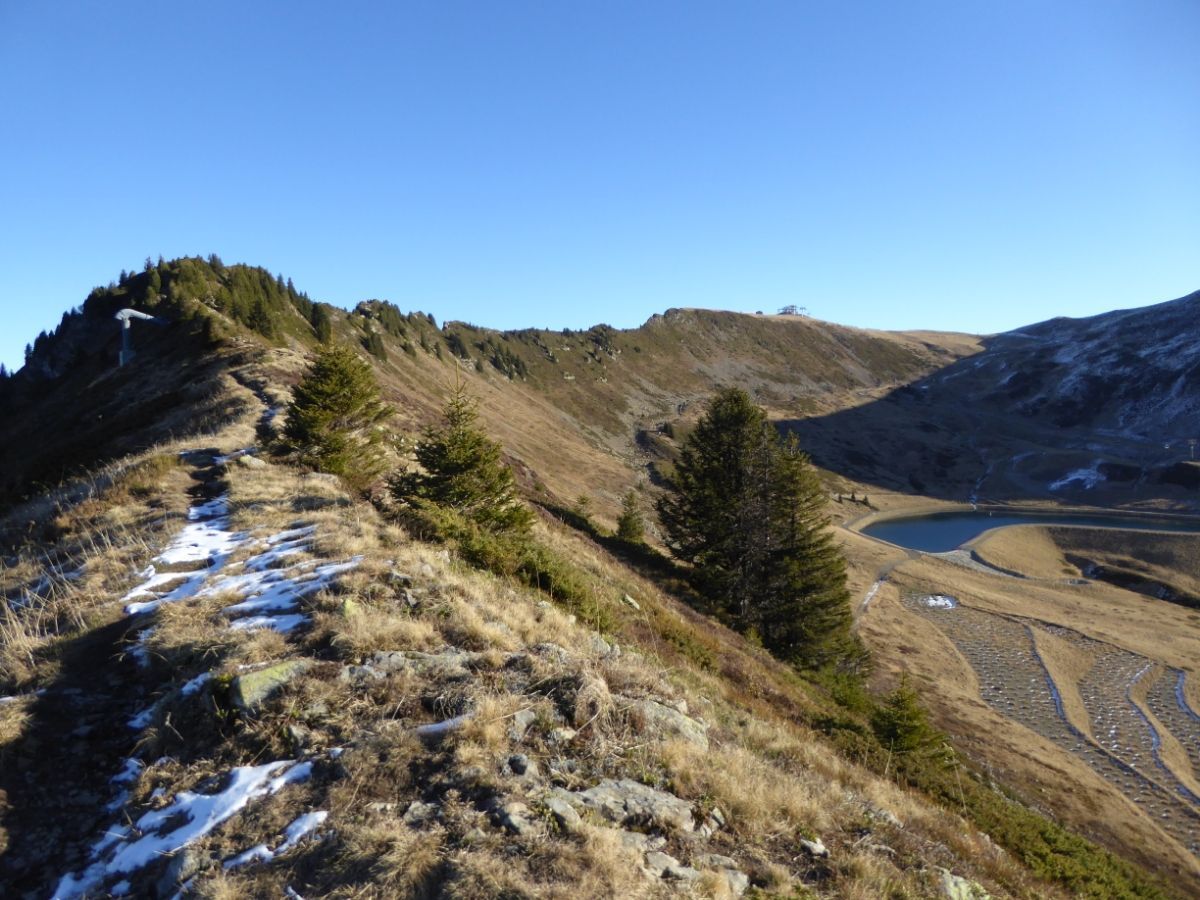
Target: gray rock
880,814
628,802
556,651
681,873
635,840
250,691
658,862
520,724
418,813
599,645
448,664
517,818
564,813
629,601
426,570
246,461
184,864
520,764
562,735
716,861
400,579
738,882
815,848
663,721
955,887
359,674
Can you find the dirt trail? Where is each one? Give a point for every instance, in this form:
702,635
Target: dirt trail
55,782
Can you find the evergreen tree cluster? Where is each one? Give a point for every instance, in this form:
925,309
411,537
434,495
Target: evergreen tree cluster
745,508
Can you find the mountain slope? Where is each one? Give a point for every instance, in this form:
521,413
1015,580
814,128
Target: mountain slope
439,730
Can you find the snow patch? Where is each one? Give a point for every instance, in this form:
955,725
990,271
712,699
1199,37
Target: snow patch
1087,478
188,818
292,835
939,601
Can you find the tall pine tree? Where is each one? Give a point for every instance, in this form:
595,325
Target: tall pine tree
746,510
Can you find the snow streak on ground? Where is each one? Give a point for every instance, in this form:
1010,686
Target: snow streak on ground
267,587
159,832
1087,478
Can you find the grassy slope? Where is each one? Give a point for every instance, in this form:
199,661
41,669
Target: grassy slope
775,778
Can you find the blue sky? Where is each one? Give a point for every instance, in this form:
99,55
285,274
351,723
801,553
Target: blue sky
956,165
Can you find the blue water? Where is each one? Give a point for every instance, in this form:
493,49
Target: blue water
940,532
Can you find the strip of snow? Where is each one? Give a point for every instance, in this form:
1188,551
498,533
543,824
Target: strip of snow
192,817
129,772
210,542
195,684
871,595
292,835
216,508
1087,478
282,624
236,454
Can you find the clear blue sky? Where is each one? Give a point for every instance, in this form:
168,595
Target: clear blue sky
956,165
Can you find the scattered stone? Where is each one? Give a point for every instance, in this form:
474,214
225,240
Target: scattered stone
521,721
382,807
564,765
549,648
658,862
298,736
185,863
668,722
716,861
400,579
564,813
517,818
737,881
246,461
880,814
450,663
562,735
426,570
250,691
955,887
358,674
681,873
629,601
599,645
815,848
520,764
419,813
629,802
635,840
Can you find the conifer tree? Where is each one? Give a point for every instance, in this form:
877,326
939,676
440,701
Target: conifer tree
321,323
902,725
332,421
463,470
631,527
746,510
